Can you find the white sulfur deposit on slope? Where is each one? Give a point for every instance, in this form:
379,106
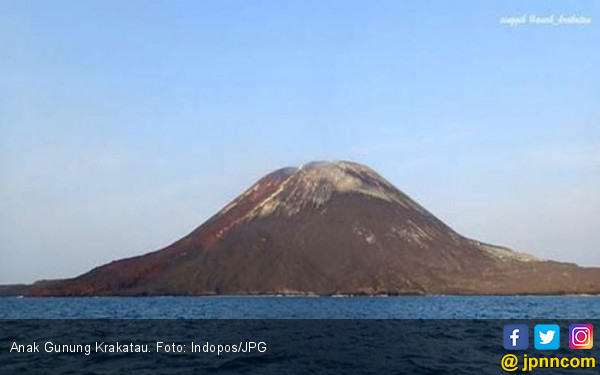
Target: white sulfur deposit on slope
315,183
506,254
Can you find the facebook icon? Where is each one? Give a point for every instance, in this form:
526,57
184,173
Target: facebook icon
516,337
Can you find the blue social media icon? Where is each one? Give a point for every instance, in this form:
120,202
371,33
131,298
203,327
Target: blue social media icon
516,337
547,337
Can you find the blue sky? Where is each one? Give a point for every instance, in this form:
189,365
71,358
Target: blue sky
126,124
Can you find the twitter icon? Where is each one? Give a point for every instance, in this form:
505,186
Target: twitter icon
547,337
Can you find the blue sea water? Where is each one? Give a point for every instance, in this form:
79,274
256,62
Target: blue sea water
405,307
445,334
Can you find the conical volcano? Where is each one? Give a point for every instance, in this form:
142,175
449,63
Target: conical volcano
327,228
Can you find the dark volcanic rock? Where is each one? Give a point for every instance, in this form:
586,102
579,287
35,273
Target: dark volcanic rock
12,290
327,228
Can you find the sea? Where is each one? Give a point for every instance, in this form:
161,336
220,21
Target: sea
288,335
343,307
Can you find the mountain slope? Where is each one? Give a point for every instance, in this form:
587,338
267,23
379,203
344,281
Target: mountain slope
327,228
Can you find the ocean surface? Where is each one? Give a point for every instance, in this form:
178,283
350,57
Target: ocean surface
433,307
411,335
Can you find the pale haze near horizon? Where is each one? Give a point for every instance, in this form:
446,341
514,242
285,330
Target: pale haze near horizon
125,126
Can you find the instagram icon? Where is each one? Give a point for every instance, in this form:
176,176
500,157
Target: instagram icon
581,336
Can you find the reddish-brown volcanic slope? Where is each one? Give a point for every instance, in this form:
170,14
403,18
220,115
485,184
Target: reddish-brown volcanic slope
326,228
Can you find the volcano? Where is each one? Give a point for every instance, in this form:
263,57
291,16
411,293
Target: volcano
326,228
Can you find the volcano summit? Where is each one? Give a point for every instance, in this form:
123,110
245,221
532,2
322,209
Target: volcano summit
326,228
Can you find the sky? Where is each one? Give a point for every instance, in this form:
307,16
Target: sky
125,125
